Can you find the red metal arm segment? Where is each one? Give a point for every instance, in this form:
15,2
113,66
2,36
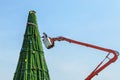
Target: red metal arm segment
115,53
98,68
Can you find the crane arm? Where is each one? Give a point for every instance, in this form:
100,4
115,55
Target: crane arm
49,43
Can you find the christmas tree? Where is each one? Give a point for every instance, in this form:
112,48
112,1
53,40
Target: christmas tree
31,63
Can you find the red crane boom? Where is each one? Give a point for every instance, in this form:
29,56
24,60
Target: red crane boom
49,43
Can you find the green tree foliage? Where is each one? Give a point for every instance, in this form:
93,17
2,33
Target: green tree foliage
31,63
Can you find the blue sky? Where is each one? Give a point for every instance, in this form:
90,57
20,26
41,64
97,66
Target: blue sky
92,21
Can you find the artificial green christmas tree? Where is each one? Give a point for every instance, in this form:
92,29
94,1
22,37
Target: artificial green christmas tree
31,63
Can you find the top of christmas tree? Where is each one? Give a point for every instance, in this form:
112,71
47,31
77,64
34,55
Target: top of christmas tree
31,63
